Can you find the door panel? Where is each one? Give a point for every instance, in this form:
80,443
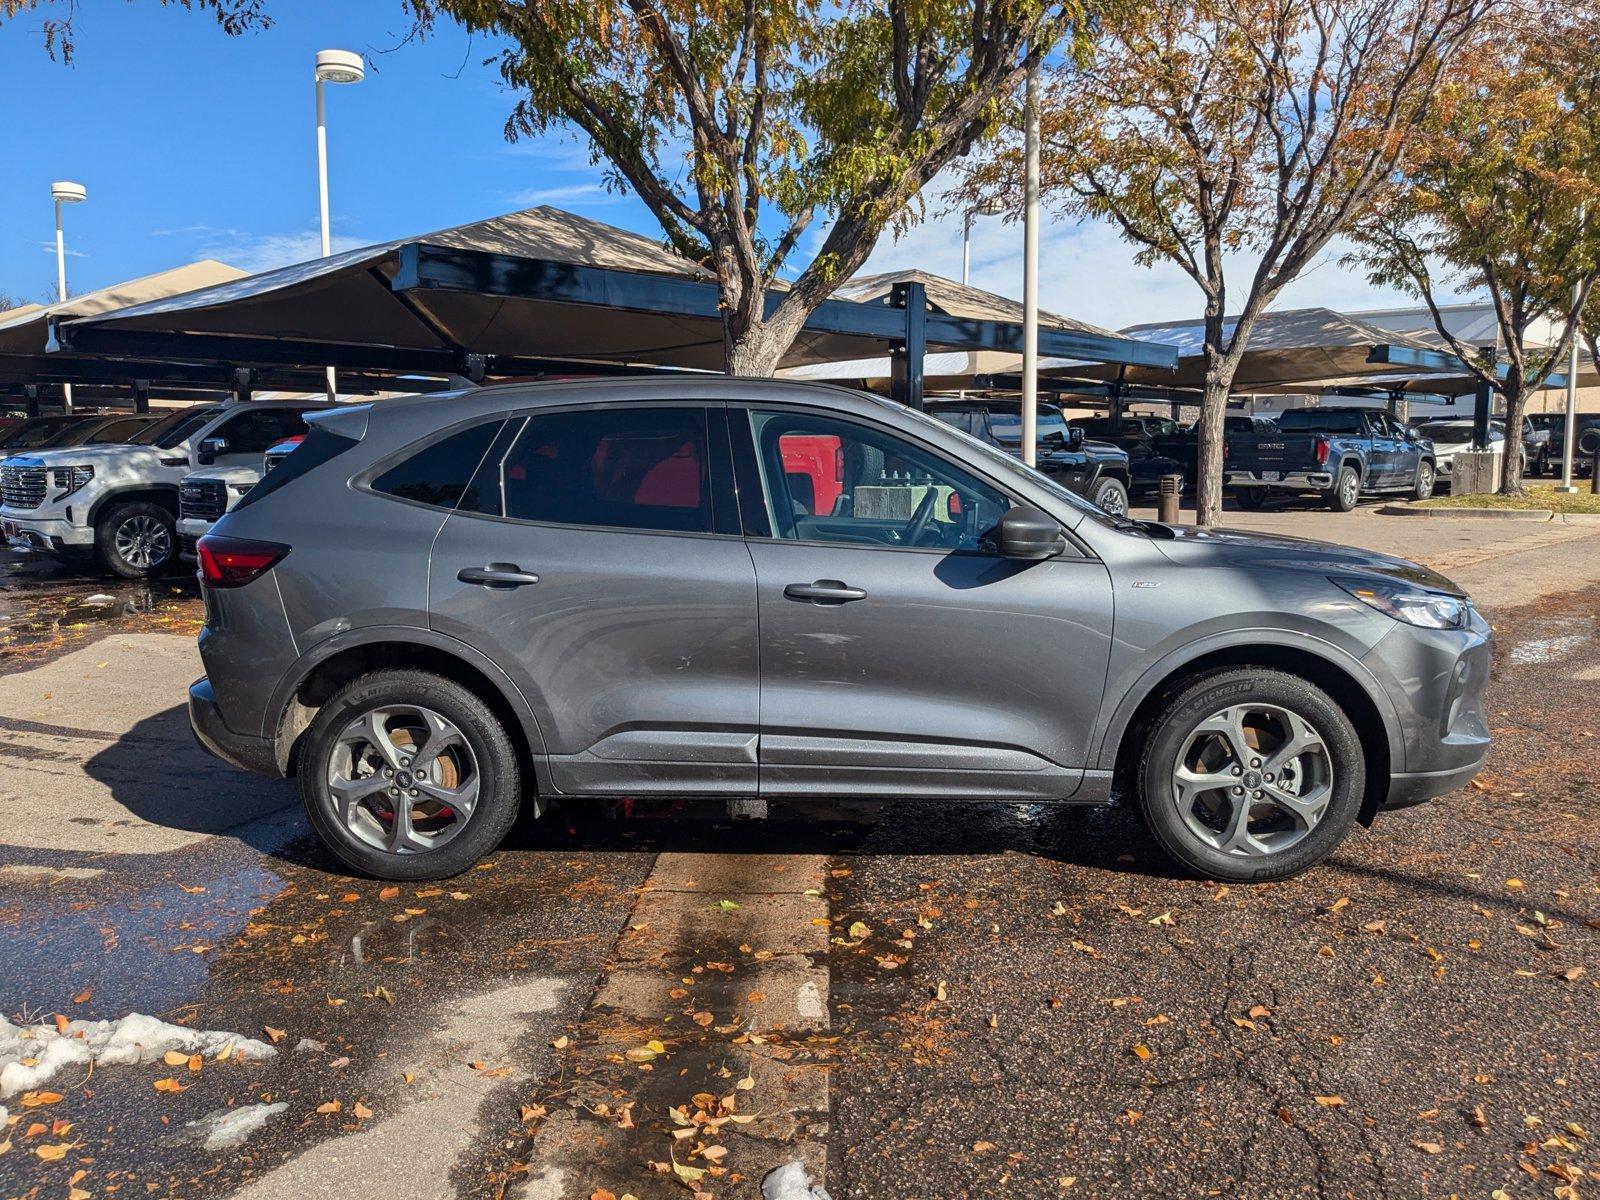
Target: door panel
636,648
897,655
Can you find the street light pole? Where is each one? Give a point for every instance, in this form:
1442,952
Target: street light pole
333,66
985,208
64,192
1030,272
1566,484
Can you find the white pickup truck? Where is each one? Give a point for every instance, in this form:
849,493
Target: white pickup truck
118,505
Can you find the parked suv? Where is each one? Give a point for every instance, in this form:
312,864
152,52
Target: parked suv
1097,471
119,504
444,607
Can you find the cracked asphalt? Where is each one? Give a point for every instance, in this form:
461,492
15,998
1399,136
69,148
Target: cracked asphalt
1016,1001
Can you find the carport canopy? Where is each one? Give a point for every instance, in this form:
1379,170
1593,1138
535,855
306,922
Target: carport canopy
528,293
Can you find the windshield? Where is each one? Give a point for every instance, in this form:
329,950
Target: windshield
1006,467
175,429
36,431
1313,420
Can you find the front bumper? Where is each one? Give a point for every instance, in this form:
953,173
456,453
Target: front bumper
52,535
190,531
1297,481
212,732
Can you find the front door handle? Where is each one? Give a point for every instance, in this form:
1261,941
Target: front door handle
497,575
824,591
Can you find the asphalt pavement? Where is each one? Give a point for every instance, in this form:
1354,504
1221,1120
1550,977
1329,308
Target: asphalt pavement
909,1001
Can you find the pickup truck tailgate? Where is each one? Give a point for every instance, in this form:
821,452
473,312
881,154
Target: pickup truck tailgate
1273,452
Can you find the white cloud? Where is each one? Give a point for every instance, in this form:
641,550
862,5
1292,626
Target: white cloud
252,252
50,248
589,195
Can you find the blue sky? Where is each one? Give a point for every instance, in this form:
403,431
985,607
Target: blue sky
194,145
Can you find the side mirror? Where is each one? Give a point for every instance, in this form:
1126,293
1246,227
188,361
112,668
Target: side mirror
1028,533
1074,436
209,448
1054,440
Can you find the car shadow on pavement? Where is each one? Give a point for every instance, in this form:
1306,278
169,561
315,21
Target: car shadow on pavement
158,773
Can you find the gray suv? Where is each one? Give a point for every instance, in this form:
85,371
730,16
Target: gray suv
442,609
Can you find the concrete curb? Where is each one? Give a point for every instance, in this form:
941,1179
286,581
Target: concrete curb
1579,518
1474,514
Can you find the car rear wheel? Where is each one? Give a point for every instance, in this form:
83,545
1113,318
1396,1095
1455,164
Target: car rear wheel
1250,775
1345,492
1424,486
407,775
1110,496
135,540
1252,498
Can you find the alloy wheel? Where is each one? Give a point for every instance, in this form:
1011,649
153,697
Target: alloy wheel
143,542
1112,502
1351,491
403,779
1252,779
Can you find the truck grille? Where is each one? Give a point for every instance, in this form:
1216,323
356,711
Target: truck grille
22,487
202,499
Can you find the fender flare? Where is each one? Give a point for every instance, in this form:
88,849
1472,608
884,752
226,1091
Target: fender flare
1115,726
372,635
99,504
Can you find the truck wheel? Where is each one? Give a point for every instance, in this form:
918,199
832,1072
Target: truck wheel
1250,774
1110,496
1346,490
135,540
407,775
1251,498
1424,487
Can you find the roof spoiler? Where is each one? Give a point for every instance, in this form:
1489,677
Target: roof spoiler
346,420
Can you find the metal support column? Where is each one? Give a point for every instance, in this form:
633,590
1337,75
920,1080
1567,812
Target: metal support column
141,395
30,393
243,384
906,358
1482,406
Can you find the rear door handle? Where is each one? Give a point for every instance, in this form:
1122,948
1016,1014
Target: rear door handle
824,591
497,575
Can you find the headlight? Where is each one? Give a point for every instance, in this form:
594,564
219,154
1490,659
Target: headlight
1409,603
70,479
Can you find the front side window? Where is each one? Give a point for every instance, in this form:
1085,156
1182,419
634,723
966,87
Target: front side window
830,480
253,432
1007,424
616,468
118,431
176,428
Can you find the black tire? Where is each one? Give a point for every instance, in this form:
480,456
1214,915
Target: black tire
1345,492
499,790
1110,496
1541,465
135,539
1248,685
1423,488
1252,498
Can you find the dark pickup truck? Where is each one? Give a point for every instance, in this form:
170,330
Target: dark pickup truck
1097,471
1341,454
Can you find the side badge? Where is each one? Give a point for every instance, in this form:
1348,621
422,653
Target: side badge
1146,583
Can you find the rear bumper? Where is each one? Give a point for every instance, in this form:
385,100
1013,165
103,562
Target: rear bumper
212,732
1298,481
1418,787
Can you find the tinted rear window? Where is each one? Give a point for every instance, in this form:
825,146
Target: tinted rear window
620,468
319,446
1309,420
438,473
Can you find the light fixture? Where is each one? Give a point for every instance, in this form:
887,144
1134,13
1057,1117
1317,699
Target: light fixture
340,66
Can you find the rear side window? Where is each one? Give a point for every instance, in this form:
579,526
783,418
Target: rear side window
253,432
319,446
619,468
438,473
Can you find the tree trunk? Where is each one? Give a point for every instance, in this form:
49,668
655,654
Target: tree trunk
755,352
1516,394
1220,369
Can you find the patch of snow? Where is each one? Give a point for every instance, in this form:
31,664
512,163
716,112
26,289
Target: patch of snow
134,1038
229,1127
791,1182
308,1046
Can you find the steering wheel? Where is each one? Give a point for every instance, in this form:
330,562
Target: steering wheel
918,524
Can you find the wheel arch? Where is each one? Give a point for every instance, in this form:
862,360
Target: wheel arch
164,495
1344,679
333,663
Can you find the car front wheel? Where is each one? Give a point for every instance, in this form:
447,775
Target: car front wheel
1424,487
1251,775
1110,496
135,540
407,775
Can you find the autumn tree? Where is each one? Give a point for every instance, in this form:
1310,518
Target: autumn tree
742,123
1501,197
1237,138
58,24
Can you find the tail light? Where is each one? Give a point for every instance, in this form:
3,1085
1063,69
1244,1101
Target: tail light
227,562
1322,451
